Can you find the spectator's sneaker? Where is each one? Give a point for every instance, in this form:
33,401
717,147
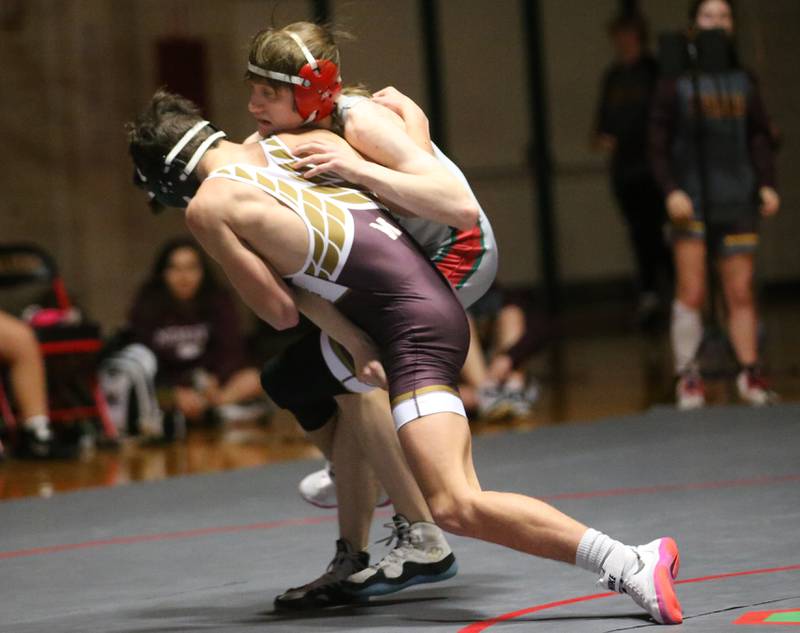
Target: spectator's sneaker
690,393
37,440
319,489
493,404
421,555
326,591
650,583
521,400
753,388
243,411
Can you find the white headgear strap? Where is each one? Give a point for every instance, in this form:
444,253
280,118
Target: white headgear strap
289,79
198,153
176,149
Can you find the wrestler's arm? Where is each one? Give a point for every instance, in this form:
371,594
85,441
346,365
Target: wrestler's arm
327,317
396,168
406,174
265,292
257,283
414,119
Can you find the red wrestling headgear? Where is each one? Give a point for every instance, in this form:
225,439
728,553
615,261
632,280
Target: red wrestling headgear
316,85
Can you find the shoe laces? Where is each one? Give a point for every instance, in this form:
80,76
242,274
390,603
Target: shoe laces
400,530
405,540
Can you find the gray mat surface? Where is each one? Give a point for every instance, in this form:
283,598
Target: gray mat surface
209,552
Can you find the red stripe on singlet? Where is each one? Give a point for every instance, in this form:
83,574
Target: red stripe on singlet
463,257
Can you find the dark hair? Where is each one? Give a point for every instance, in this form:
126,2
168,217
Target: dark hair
155,287
164,121
694,8
630,22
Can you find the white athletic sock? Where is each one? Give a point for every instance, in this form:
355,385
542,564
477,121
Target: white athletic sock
686,333
600,554
40,425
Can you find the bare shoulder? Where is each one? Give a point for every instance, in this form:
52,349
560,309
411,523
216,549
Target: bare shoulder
202,210
309,135
366,114
215,200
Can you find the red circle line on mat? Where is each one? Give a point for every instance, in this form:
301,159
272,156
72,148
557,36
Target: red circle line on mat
329,518
477,627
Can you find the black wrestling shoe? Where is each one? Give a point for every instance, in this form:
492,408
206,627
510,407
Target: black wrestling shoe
326,591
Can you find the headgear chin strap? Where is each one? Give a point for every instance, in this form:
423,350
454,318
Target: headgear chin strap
316,85
173,183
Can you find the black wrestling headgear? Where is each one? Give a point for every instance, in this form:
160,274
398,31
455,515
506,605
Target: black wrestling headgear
172,182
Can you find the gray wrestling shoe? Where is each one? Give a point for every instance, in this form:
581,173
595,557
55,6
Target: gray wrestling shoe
420,555
326,591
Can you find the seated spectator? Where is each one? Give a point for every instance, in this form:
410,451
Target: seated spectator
191,324
21,356
495,384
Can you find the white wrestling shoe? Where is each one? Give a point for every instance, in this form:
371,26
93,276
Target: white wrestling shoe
319,489
420,555
753,389
650,584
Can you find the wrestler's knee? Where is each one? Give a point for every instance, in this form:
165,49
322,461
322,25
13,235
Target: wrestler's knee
312,408
455,512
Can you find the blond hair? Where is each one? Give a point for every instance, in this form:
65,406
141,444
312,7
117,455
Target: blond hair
276,50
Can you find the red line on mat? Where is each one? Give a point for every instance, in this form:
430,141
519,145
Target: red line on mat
477,627
703,485
168,536
269,525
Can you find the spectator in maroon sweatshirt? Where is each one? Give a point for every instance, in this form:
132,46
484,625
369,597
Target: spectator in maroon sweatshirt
191,324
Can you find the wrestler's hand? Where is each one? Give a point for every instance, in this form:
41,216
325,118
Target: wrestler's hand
366,359
373,374
679,206
322,158
391,98
770,201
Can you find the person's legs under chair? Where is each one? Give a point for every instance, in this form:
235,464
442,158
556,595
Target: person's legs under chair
19,349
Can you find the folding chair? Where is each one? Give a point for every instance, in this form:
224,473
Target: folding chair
70,349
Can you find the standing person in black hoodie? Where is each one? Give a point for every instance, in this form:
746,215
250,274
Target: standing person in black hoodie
717,174
621,130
